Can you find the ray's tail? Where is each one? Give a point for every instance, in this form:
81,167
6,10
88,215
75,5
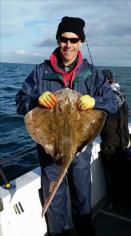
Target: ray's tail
55,185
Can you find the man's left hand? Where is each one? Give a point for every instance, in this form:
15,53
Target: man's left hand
85,102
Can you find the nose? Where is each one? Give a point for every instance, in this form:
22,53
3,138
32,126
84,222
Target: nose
68,43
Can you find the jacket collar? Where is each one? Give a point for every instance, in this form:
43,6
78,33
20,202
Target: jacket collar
67,76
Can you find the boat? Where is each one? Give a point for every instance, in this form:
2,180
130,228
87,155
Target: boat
21,205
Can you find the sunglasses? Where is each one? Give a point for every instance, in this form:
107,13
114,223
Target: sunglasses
72,40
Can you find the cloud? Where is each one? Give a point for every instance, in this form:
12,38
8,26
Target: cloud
22,56
31,26
47,43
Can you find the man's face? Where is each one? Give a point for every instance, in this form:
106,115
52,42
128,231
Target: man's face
69,48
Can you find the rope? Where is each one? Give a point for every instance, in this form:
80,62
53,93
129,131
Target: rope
89,51
116,216
2,174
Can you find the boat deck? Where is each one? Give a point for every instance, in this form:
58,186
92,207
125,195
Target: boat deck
113,221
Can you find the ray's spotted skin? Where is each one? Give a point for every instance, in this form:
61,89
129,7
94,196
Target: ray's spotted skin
63,131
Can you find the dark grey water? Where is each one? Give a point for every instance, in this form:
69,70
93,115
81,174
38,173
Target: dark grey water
17,153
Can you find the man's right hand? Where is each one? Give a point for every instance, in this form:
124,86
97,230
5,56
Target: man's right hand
47,99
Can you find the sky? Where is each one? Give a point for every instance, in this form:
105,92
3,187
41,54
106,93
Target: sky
28,29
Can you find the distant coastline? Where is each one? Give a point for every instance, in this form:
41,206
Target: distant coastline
105,66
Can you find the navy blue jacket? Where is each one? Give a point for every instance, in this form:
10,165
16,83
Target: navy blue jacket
87,81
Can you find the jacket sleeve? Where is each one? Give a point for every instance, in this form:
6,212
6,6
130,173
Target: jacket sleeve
103,94
26,98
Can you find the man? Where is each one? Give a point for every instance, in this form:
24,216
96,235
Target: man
66,68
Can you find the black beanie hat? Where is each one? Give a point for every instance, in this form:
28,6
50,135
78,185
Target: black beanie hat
71,24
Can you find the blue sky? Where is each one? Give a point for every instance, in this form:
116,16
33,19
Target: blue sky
28,29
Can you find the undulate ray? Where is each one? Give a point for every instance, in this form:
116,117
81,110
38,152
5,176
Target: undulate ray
63,131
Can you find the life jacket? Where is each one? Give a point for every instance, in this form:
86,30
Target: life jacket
115,133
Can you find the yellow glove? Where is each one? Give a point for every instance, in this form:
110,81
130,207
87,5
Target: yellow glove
85,102
47,99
